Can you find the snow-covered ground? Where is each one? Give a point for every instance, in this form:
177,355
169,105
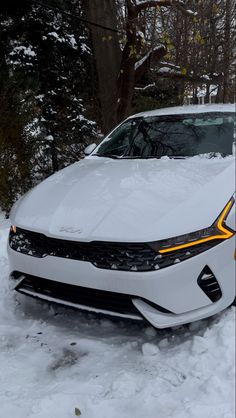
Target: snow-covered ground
53,360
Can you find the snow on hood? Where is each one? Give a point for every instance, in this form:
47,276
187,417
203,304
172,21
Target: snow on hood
128,200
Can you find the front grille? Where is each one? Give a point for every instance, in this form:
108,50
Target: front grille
138,257
99,299
209,284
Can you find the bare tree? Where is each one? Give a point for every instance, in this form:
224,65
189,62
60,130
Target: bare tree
161,39
119,69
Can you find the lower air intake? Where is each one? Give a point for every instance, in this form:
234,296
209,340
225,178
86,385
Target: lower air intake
210,286
100,300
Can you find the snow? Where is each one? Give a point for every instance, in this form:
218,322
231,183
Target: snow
25,50
169,70
155,3
191,12
49,138
142,60
72,41
188,110
177,185
85,48
145,87
170,65
213,89
56,36
40,97
145,57
54,360
140,34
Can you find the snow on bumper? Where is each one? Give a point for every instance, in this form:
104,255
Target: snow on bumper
174,288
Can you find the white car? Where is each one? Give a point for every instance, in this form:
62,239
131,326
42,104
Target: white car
143,227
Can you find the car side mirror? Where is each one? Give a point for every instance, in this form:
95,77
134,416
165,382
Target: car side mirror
89,149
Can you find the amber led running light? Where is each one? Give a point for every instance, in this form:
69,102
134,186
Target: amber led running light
13,229
220,231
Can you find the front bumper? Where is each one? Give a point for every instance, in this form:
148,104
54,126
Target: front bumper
174,288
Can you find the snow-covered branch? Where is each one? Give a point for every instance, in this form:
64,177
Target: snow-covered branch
153,56
154,51
169,70
145,88
178,4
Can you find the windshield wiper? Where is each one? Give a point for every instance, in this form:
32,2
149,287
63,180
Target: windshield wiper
113,156
139,157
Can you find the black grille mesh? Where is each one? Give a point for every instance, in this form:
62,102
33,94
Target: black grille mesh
139,257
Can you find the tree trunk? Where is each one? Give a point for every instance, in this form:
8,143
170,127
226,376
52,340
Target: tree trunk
226,52
127,73
107,56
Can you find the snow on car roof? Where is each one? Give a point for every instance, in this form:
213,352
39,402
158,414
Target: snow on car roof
179,110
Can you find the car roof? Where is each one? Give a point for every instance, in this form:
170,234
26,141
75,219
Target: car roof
177,110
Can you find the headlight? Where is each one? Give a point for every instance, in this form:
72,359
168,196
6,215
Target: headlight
218,231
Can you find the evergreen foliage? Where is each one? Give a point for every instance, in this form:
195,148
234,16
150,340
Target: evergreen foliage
63,80
45,94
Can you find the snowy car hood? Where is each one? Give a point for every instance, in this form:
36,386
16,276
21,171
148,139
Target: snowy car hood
128,200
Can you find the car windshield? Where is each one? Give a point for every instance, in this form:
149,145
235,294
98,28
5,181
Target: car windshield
174,136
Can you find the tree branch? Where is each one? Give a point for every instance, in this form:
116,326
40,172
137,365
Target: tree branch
149,87
175,73
178,4
154,56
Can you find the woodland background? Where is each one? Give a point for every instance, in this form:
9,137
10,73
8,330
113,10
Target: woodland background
70,70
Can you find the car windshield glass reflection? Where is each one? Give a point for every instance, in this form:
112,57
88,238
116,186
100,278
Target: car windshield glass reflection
174,136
